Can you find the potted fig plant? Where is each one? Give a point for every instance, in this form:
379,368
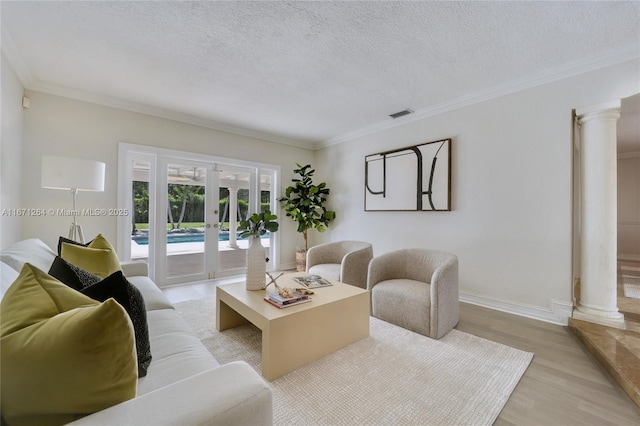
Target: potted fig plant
304,203
254,227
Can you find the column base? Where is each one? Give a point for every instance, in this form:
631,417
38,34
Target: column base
612,319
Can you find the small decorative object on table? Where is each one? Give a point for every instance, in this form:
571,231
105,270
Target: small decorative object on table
313,281
285,296
272,280
257,225
282,291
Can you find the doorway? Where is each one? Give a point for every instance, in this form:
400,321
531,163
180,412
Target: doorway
628,189
185,208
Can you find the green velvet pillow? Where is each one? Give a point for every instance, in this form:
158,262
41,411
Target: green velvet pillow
64,355
98,257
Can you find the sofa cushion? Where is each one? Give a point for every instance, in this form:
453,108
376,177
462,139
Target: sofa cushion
117,287
230,394
327,270
63,354
154,298
134,268
403,302
32,250
177,352
97,257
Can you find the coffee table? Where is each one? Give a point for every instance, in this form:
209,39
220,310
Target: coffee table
297,335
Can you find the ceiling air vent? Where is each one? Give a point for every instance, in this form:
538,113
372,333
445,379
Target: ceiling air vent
401,113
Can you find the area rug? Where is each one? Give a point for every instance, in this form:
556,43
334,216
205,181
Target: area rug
392,377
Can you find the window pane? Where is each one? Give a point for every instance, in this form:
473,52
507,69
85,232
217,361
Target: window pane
185,220
140,208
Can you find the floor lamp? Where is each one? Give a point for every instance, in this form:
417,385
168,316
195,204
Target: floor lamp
72,174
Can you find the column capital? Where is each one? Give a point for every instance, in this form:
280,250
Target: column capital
609,110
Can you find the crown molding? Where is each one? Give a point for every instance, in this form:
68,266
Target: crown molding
81,95
627,54
32,83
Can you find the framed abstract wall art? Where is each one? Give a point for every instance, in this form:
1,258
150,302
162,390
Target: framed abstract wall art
414,178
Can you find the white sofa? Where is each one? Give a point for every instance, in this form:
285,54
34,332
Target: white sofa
184,385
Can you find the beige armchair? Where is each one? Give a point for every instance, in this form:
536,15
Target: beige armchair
416,289
344,261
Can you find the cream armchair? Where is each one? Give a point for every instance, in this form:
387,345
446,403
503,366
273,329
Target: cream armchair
416,289
344,261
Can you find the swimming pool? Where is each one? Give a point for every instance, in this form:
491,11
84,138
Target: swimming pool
187,237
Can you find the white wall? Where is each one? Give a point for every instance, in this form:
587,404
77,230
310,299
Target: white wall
512,182
11,154
511,218
65,127
629,207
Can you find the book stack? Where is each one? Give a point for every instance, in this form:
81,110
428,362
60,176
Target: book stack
283,302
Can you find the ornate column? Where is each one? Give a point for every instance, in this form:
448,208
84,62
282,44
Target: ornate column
233,215
598,215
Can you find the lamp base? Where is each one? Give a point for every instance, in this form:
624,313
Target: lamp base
75,233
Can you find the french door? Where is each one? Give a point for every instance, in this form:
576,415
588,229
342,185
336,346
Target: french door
186,223
185,210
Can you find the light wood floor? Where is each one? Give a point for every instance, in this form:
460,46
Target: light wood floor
564,385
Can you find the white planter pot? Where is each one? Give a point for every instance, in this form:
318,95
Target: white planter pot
256,265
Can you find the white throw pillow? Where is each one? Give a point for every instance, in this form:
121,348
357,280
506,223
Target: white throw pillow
7,276
32,250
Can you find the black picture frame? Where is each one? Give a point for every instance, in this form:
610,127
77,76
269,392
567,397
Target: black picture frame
413,178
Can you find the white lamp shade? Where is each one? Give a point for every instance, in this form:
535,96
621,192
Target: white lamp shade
72,173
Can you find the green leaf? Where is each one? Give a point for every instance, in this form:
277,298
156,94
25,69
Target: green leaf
303,201
271,226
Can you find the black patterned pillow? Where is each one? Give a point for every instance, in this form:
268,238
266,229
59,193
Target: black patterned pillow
72,275
114,286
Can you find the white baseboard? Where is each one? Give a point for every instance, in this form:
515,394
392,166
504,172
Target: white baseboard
287,266
558,314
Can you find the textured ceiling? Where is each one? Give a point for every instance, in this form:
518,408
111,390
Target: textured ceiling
307,73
